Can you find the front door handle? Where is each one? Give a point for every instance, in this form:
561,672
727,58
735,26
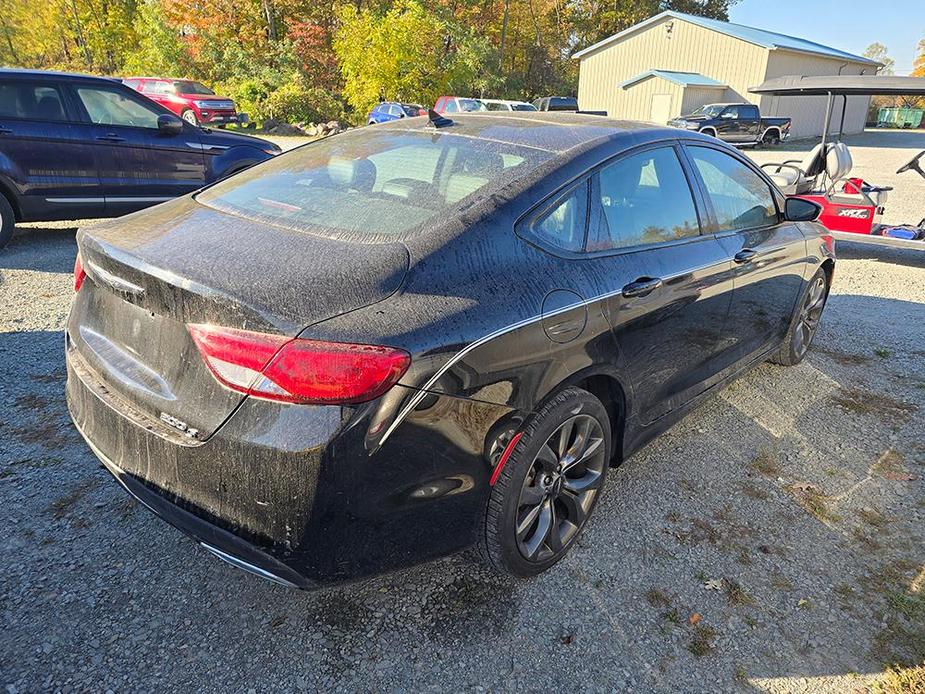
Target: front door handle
746,255
642,287
111,137
5,131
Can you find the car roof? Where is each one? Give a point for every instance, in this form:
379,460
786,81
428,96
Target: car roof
552,131
53,74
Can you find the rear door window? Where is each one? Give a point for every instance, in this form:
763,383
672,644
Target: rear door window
31,101
739,196
645,198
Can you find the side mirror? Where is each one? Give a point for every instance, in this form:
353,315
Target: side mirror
801,210
169,124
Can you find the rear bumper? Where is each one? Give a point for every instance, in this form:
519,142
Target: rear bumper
298,494
221,543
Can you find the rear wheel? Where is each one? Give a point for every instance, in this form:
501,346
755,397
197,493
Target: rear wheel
805,323
189,116
549,486
7,221
771,138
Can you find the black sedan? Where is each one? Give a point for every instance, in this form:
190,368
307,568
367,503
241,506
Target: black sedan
408,340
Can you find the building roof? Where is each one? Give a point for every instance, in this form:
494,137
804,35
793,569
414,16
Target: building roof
685,79
759,37
863,85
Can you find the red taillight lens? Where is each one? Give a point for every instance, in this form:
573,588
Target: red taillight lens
299,371
79,273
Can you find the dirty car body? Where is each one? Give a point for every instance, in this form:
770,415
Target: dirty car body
481,252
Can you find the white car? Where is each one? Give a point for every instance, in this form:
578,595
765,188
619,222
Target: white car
504,105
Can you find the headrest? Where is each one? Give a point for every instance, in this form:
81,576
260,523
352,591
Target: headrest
49,108
483,164
838,161
813,163
352,173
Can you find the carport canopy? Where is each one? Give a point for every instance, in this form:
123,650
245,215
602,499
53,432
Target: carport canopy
842,85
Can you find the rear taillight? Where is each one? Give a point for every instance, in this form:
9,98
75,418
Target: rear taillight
298,371
79,273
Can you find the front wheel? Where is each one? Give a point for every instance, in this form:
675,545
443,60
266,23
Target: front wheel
190,117
805,323
550,485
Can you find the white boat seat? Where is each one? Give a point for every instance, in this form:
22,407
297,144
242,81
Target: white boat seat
796,176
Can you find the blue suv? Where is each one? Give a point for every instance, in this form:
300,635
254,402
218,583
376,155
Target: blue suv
392,110
75,147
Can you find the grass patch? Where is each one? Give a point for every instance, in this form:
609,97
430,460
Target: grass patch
657,598
736,594
865,402
813,501
874,518
883,353
889,465
843,357
701,642
765,463
897,679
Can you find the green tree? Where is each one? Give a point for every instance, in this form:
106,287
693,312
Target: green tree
409,53
880,53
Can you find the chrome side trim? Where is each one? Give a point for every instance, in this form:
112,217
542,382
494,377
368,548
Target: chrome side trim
199,145
158,198
250,568
76,200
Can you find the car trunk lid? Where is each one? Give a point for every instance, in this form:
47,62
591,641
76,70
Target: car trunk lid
153,273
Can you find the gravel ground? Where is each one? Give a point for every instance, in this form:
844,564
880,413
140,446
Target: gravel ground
772,541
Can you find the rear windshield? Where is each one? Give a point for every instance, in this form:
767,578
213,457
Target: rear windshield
563,103
371,181
524,107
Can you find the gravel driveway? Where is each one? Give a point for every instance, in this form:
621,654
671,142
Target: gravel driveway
771,541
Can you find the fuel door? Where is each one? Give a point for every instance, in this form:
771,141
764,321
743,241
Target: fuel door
565,315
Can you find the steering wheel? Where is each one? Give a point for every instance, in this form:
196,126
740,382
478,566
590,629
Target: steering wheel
912,164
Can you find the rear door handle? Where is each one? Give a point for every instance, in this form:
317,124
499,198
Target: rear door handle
746,255
111,137
642,287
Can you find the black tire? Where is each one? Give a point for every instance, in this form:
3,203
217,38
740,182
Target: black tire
568,487
7,221
805,322
770,139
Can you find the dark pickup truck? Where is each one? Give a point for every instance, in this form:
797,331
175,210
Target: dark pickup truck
737,124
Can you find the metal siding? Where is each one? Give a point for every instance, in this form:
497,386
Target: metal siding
691,48
808,112
695,97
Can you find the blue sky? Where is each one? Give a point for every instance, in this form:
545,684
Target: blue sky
850,25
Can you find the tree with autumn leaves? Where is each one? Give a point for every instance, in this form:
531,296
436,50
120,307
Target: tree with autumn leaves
323,59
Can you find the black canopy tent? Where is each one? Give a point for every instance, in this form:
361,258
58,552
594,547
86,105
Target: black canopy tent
843,86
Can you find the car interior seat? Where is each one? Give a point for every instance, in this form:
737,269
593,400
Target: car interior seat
796,176
49,108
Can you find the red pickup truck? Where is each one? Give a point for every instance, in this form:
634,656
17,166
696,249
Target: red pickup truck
192,101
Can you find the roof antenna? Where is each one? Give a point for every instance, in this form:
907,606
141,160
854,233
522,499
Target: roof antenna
436,120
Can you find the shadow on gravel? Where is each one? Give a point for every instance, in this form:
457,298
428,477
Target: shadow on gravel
41,249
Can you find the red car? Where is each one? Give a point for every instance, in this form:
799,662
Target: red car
192,101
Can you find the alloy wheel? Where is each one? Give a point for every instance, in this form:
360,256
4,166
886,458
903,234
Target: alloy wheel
809,317
190,117
560,487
